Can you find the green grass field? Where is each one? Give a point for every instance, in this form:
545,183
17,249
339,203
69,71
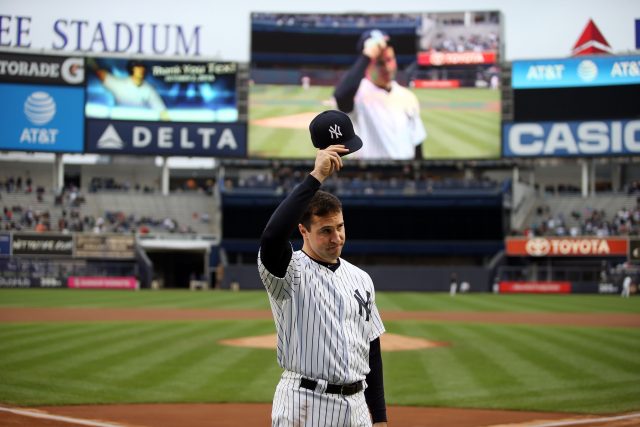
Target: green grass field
528,367
461,123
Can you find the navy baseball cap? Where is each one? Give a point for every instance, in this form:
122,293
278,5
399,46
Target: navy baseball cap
334,127
371,33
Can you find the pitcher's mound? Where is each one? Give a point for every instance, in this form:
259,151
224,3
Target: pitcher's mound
388,342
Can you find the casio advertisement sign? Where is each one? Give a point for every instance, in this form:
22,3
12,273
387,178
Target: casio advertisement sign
167,139
567,139
41,69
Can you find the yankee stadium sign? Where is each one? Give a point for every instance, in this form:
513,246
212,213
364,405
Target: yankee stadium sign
103,34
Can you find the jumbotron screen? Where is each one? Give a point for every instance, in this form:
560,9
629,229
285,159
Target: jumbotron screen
148,90
449,61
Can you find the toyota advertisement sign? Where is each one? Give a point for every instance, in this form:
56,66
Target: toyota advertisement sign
567,246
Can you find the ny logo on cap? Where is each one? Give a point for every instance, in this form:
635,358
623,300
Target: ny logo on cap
335,131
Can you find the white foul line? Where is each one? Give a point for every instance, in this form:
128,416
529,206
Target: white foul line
586,421
44,415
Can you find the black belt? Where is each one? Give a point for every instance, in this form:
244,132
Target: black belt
343,389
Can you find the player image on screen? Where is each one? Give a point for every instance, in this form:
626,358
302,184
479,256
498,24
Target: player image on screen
154,90
386,114
133,90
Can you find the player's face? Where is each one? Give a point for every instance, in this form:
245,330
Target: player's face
137,74
325,238
384,68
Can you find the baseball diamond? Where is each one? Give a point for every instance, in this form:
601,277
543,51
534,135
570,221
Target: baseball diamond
570,358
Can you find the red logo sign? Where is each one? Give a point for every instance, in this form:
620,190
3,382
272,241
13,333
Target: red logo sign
535,287
456,58
567,246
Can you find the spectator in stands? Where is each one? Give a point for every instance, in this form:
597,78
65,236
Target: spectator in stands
385,114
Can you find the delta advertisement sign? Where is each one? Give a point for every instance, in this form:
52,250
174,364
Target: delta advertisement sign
567,246
571,139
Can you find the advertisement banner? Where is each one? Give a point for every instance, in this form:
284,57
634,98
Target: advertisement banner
100,282
581,71
5,244
188,92
41,69
42,244
167,139
566,246
20,281
456,58
105,246
526,287
41,118
574,138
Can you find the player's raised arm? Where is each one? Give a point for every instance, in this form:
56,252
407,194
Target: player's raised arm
275,249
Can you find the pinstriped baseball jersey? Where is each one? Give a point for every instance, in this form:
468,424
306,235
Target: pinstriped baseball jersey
324,319
388,121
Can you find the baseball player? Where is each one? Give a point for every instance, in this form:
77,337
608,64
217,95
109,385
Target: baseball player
626,287
385,114
327,323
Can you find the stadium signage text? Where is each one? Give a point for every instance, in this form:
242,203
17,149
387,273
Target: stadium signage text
41,69
456,58
34,244
589,138
558,246
526,287
167,139
84,35
576,72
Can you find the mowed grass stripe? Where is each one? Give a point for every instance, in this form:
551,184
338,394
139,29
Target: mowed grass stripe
417,375
623,339
257,299
466,134
196,344
448,139
607,361
51,350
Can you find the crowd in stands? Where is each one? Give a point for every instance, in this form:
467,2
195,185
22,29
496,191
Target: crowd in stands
589,222
404,182
335,20
16,217
470,43
108,183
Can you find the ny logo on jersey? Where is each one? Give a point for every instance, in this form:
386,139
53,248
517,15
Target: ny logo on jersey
335,132
362,304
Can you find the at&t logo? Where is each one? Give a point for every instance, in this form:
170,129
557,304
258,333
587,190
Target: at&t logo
39,109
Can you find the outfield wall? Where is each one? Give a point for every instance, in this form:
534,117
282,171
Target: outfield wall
385,278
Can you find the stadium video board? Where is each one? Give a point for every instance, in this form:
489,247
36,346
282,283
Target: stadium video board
173,108
449,61
122,89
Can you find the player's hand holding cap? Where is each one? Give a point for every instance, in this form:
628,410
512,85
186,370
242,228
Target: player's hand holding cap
334,127
372,42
